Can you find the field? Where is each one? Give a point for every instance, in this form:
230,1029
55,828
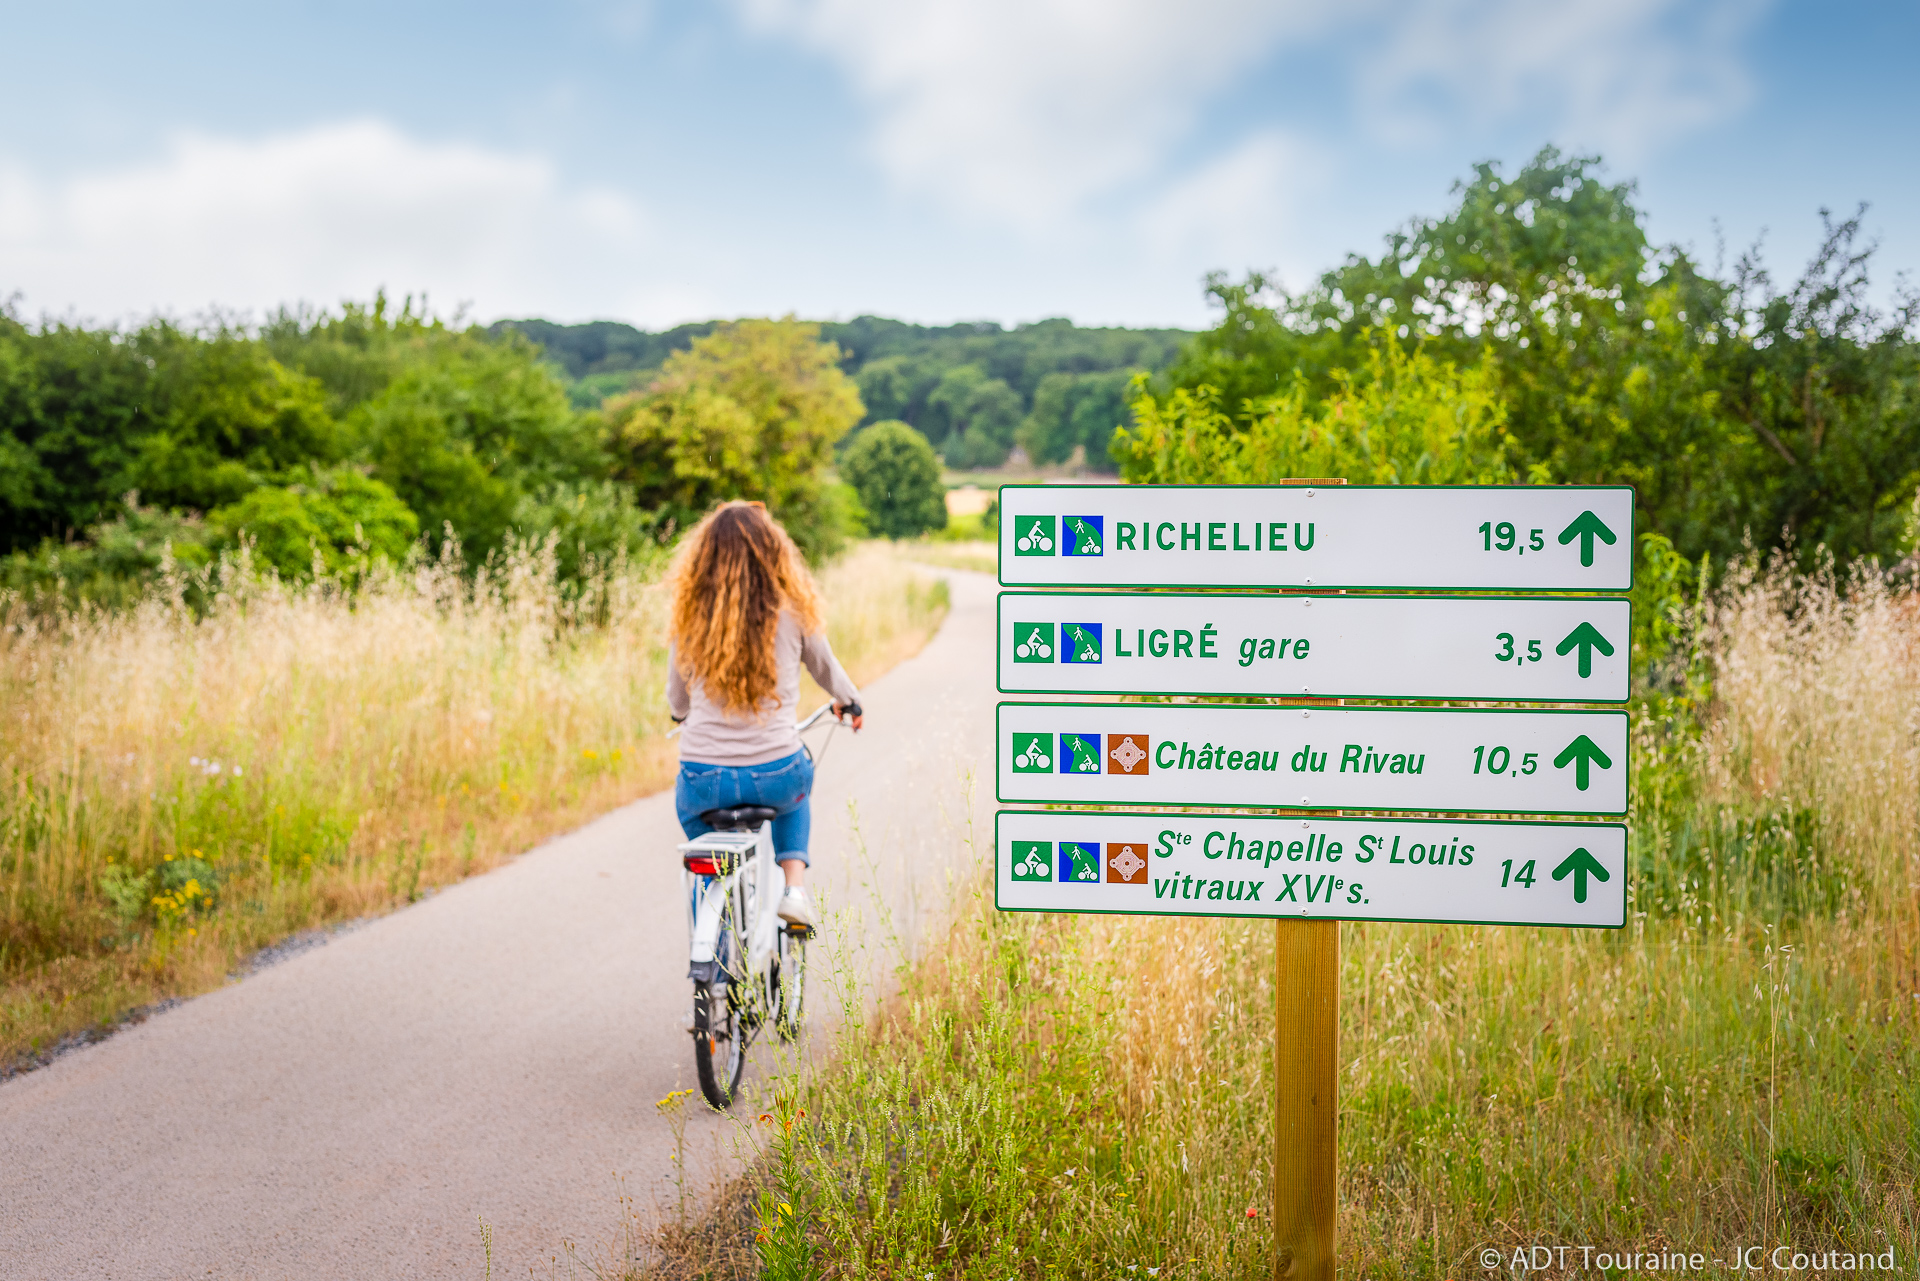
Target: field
236,761
1091,1097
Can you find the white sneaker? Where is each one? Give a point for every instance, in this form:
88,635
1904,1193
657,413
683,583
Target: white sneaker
795,909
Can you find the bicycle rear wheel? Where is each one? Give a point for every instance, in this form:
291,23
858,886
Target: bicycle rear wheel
719,1039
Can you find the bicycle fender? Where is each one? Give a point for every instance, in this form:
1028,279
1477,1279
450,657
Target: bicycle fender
706,925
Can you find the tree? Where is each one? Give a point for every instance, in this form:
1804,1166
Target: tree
897,476
470,430
751,410
1410,420
1076,412
1822,393
227,418
973,417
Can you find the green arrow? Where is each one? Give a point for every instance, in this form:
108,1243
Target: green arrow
1581,751
1588,638
1585,527
1582,865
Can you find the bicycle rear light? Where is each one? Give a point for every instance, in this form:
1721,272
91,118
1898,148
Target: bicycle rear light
701,865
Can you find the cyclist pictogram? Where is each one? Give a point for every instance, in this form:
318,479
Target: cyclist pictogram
1030,861
1033,536
1033,642
1032,753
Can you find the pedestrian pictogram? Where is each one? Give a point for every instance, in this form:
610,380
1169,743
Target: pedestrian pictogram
1079,753
1080,642
1081,535
1079,862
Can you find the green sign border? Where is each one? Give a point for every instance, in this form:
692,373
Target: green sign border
1001,558
1626,875
1295,706
1000,659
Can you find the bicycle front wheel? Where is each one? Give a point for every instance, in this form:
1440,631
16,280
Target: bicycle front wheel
790,984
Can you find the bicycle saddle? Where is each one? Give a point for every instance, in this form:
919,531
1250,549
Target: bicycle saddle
739,818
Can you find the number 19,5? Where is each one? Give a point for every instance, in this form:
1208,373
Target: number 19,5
1503,537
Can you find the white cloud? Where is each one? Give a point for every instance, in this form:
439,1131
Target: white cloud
1026,111
1038,114
1622,75
1242,208
318,215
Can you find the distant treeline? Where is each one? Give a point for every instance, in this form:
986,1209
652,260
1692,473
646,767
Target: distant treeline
1532,332
974,390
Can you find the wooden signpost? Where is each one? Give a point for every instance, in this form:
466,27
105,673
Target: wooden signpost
1315,855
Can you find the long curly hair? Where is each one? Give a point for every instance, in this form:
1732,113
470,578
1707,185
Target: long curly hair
733,574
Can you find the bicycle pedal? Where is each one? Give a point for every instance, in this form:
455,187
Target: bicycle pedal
802,932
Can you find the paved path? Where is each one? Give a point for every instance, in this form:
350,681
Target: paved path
493,1051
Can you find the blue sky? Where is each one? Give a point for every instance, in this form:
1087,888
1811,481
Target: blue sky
947,160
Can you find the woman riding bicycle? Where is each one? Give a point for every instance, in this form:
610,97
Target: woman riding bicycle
746,615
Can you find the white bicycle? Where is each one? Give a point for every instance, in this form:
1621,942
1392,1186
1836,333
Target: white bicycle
748,966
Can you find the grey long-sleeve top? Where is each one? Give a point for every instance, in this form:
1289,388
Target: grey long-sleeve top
715,736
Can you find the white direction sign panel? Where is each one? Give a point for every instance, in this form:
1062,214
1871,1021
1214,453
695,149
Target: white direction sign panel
1541,649
1497,537
1346,869
1449,760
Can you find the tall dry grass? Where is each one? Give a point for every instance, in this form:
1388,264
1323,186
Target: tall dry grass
1090,1097
235,760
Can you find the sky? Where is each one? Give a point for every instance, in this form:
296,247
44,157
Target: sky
945,160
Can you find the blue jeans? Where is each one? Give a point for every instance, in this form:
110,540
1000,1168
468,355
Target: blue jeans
784,785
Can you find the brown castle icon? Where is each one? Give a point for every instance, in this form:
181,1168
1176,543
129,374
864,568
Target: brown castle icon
1128,752
1127,864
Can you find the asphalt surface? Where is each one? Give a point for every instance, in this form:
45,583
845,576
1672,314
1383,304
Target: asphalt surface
494,1052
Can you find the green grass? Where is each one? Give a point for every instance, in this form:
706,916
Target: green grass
1079,1097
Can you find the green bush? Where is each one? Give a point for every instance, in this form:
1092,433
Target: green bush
1409,419
597,522
334,517
897,475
